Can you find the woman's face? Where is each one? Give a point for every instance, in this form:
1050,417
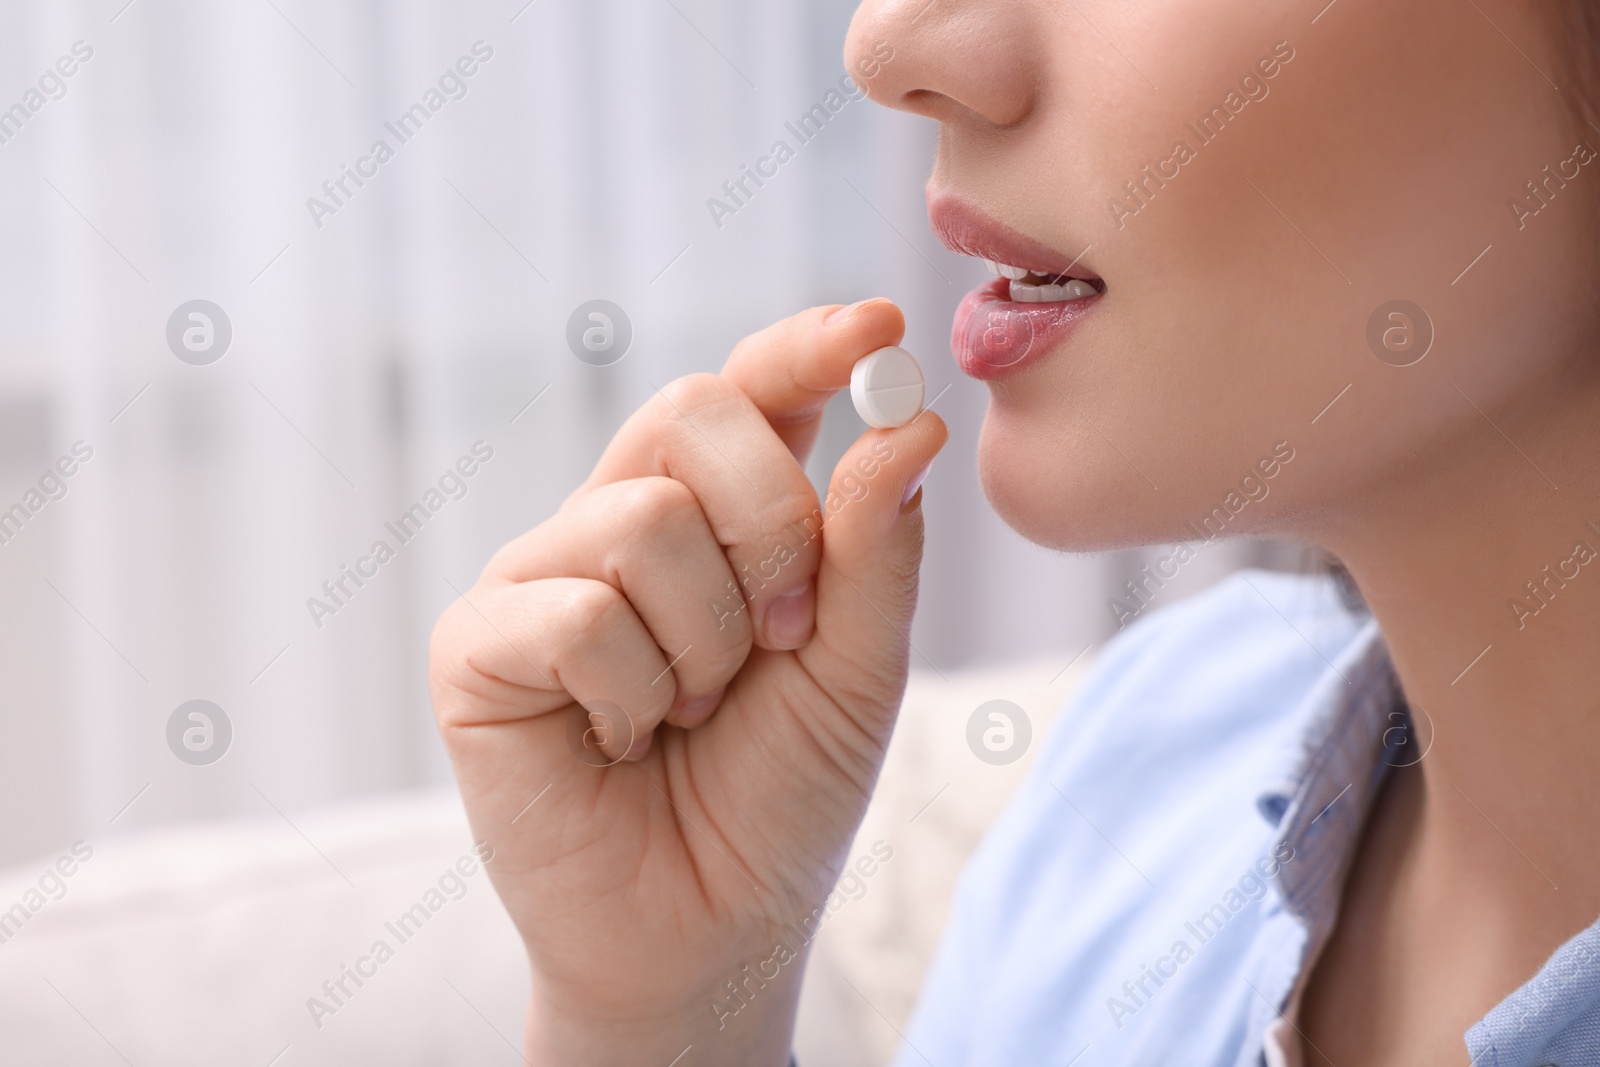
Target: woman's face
1252,181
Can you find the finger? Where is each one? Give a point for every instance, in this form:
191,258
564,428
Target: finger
702,431
648,538
510,652
867,582
791,368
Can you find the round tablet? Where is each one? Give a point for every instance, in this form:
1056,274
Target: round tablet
887,388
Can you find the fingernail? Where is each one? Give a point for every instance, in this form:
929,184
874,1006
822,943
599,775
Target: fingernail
698,710
639,747
844,312
914,484
789,618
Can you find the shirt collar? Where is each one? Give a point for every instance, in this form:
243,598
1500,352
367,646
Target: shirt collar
1355,728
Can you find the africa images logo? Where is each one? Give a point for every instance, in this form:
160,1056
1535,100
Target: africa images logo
1251,887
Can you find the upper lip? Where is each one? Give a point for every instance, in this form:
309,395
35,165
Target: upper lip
968,231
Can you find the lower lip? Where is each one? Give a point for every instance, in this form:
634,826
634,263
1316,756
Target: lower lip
994,336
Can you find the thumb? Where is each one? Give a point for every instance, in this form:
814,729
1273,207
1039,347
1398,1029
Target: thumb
867,580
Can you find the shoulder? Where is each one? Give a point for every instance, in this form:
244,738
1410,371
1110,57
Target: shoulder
1209,671
1187,720
1152,777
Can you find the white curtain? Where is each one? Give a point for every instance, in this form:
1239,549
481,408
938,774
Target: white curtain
377,338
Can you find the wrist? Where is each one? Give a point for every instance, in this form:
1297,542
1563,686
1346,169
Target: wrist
746,1021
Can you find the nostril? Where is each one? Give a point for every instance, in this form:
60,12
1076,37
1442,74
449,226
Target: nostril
967,62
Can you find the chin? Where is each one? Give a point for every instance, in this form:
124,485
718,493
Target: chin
1040,480
1061,486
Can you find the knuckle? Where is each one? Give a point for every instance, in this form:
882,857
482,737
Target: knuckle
792,513
448,645
457,679
648,506
726,615
696,392
511,558
445,656
750,345
654,522
588,610
730,645
442,643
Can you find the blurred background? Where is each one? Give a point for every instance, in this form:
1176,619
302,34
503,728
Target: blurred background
377,337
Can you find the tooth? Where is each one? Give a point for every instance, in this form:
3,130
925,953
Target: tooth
1024,293
1014,273
1049,294
994,268
1077,288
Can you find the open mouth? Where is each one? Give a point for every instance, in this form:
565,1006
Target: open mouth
1037,299
1027,286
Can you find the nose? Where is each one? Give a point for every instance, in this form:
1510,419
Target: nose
957,61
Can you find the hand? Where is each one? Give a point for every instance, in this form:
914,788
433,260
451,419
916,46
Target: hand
741,650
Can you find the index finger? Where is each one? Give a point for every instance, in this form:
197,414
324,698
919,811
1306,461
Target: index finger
792,368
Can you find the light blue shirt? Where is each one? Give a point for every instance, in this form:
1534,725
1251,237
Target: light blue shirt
1154,889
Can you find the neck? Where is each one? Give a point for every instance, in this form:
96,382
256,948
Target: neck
1485,579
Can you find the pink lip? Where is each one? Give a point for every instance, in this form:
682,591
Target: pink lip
967,231
994,336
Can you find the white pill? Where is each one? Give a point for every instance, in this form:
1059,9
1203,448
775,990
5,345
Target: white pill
887,388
